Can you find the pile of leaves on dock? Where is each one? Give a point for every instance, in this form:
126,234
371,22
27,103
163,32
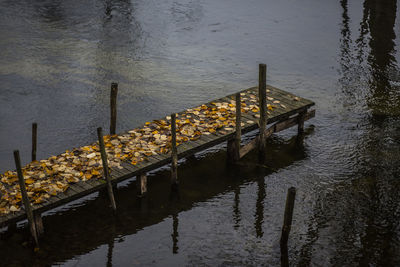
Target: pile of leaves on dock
46,178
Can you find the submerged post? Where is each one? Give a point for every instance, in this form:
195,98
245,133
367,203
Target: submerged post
262,98
287,220
113,106
174,156
105,168
25,199
34,140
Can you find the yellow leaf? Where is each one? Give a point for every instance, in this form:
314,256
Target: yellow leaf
95,172
29,181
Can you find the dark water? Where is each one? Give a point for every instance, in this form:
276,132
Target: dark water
58,59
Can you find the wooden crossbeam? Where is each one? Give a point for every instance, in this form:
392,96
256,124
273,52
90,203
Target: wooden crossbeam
277,127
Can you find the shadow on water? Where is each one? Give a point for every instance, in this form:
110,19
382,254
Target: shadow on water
79,229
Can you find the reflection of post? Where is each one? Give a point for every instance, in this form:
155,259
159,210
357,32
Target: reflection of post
111,246
287,220
259,215
287,225
284,256
236,209
175,234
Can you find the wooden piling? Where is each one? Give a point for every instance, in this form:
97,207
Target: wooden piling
113,107
37,217
141,184
238,133
234,145
262,91
287,220
34,140
25,199
174,155
105,168
300,128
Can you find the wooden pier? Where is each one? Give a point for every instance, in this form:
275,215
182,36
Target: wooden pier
280,110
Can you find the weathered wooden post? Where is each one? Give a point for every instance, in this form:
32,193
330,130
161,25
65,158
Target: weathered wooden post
25,199
174,155
105,168
141,183
238,133
287,220
113,106
262,98
300,128
234,145
34,140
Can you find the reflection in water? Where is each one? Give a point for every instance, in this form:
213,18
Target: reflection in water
236,208
259,212
51,11
366,218
381,21
175,234
111,245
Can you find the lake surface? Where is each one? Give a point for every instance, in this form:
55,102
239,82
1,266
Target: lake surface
58,59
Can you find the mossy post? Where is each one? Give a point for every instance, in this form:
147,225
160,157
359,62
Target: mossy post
105,168
113,107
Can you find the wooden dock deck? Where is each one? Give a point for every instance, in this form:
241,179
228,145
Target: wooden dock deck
284,110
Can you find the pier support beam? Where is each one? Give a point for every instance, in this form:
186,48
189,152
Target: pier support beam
105,168
113,108
262,98
300,128
234,144
28,209
141,184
